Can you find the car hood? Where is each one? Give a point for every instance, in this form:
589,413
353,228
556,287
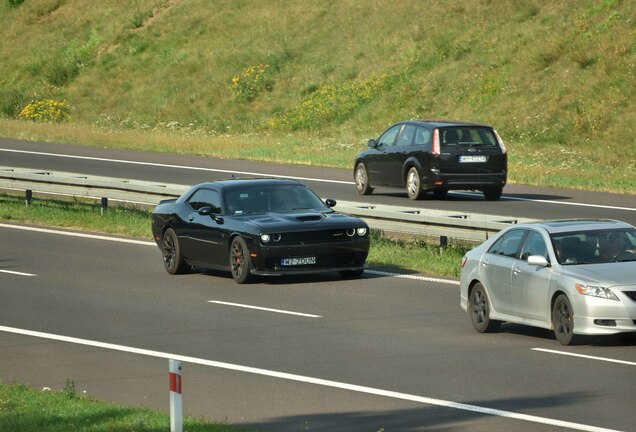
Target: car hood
302,221
610,274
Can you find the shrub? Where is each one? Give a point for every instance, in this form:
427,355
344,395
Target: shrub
251,82
46,110
333,102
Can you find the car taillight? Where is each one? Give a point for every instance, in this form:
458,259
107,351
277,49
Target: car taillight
501,143
436,151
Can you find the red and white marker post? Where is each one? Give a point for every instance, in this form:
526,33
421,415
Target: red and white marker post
176,404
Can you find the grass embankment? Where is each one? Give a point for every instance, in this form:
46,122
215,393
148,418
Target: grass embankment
23,409
298,83
398,255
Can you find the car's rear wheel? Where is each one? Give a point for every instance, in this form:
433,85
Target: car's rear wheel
563,320
492,193
351,274
240,260
172,258
362,180
414,184
479,308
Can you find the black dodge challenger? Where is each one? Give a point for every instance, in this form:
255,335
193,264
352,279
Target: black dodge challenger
264,227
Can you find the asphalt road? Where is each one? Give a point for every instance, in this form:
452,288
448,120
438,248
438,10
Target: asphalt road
407,336
394,353
517,200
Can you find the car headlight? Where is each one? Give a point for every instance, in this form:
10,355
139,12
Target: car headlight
596,291
265,238
361,231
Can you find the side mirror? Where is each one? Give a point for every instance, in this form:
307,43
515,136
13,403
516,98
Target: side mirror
205,211
372,143
330,202
538,260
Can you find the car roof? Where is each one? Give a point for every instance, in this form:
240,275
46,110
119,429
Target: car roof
247,182
568,225
445,123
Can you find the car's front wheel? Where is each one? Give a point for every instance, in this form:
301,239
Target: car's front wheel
240,260
563,320
479,309
172,257
414,184
362,180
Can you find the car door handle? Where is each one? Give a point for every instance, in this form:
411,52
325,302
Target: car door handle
485,262
190,218
516,270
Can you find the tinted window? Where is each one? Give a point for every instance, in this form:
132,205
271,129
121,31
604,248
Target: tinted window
272,198
406,137
388,137
205,198
533,245
468,136
508,245
422,136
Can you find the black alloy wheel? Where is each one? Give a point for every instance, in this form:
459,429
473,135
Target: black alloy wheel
413,184
361,178
172,258
240,260
479,309
563,320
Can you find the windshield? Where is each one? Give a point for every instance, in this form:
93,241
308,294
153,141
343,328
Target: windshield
595,247
281,198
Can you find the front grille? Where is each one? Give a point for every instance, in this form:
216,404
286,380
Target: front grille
304,237
631,295
322,261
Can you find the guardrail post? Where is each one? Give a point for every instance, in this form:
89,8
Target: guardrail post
28,197
104,205
176,404
443,241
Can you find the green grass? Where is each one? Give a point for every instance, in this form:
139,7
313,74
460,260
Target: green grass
385,253
25,409
300,84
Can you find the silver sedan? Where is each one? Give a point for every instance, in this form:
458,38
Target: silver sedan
575,277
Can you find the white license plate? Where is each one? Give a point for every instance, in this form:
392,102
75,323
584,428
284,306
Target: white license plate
286,262
472,159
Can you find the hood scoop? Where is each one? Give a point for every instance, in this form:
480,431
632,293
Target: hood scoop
308,218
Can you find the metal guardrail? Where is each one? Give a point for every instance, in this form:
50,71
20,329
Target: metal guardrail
393,219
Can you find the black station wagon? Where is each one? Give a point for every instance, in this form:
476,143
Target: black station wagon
434,156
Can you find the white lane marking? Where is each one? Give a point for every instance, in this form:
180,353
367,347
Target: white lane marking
413,277
316,381
506,197
17,273
184,167
264,309
586,356
81,235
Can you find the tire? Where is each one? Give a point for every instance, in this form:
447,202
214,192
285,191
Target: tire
361,178
171,250
479,309
440,193
492,193
563,320
240,260
351,274
414,184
